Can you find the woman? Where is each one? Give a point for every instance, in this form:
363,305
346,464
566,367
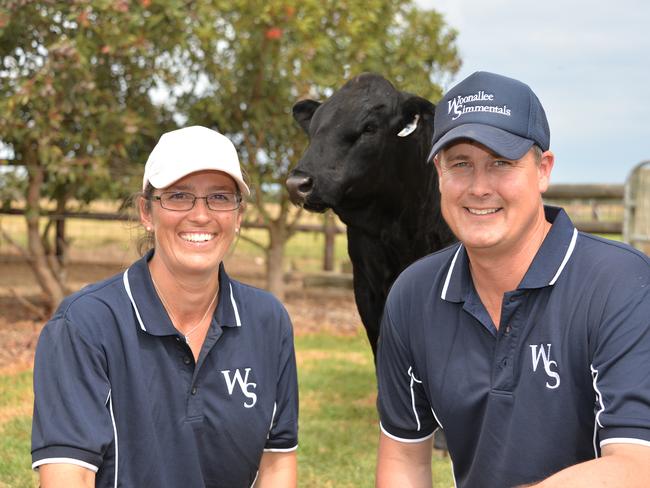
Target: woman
171,374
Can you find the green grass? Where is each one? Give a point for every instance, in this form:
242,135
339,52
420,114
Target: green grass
15,430
15,462
338,427
338,420
15,389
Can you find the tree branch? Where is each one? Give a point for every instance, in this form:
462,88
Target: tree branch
253,241
21,250
35,309
291,226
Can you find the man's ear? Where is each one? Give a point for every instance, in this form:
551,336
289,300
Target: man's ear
303,111
544,169
436,163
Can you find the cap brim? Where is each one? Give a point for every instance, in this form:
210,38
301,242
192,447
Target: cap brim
499,141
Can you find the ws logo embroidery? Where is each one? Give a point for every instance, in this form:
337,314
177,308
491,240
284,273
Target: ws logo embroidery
545,355
244,385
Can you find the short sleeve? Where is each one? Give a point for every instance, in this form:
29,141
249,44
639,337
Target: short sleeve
621,370
283,434
404,411
72,421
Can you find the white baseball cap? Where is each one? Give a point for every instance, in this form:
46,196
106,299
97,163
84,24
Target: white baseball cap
188,150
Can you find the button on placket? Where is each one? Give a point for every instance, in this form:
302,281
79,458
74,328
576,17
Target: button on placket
505,343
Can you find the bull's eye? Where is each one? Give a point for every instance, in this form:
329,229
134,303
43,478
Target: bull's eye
370,127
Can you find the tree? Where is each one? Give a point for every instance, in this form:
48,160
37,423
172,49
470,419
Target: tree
75,108
76,79
254,59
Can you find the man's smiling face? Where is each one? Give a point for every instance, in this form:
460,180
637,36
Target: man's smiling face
490,202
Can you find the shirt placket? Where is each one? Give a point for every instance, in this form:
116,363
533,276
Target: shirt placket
195,401
507,336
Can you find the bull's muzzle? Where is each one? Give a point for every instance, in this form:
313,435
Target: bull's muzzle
299,188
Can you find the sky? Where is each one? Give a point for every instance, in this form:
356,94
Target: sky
587,61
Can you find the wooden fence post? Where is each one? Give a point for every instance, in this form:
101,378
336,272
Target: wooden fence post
636,217
329,229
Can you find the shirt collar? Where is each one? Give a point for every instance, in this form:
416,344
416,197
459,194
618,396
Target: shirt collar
555,252
546,268
150,313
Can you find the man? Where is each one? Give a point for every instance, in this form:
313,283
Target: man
528,342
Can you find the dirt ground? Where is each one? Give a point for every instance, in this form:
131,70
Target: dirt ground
330,309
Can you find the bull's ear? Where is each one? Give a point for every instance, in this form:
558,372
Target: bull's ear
414,112
303,112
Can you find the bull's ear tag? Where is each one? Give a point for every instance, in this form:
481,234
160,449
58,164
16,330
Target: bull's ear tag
410,127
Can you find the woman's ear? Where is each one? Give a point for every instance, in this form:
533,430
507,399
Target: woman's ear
144,208
240,216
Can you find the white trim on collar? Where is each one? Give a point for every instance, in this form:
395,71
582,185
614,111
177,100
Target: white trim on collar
234,306
125,279
443,295
569,251
127,287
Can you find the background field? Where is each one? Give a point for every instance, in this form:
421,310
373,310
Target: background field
105,241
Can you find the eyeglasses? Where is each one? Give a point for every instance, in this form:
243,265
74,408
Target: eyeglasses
180,201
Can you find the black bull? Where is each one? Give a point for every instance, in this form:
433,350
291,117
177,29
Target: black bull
367,161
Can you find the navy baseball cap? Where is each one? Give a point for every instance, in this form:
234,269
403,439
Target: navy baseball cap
500,113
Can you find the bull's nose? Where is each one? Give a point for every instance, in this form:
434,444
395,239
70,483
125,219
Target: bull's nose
299,188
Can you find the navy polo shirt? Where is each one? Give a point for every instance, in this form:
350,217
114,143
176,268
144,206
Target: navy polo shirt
567,371
117,389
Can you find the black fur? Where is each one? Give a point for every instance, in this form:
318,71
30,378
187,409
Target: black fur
379,184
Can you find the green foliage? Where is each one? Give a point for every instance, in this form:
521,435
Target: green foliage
76,76
74,89
253,60
75,109
260,57
13,184
76,79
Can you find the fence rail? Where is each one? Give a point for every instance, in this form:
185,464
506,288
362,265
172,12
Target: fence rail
593,208
593,196
585,192
125,218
